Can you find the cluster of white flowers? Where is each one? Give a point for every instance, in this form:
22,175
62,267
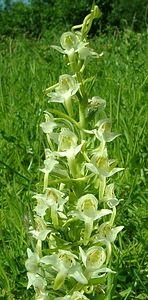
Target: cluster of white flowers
74,216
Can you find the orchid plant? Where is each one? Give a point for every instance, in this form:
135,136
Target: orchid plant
74,215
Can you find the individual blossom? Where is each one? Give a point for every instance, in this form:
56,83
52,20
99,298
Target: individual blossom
103,167
53,199
66,89
93,260
69,42
109,196
49,124
66,266
96,103
34,272
41,231
86,210
72,44
107,232
107,235
42,295
68,147
68,143
100,164
49,165
103,132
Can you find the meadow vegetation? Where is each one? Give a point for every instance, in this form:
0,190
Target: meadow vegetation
28,66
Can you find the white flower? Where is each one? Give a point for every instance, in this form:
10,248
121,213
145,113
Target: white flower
49,165
86,210
68,144
65,264
38,282
49,125
35,273
32,263
101,165
103,133
96,103
109,196
41,231
65,90
107,233
93,260
72,43
42,296
53,199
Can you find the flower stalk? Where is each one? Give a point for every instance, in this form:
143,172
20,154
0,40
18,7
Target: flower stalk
75,213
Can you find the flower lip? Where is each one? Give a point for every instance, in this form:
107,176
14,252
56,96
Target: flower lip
95,258
87,204
69,40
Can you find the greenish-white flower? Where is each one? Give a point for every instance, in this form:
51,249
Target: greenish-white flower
53,199
49,165
66,266
109,196
66,89
41,231
72,44
93,260
108,233
84,51
32,263
37,281
42,296
34,271
68,144
87,211
49,125
103,133
96,103
69,42
101,165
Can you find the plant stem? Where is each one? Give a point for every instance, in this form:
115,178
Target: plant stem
109,285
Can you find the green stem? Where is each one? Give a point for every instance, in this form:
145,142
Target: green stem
62,115
54,217
62,180
109,285
72,166
102,185
83,103
82,89
88,231
82,118
39,248
68,106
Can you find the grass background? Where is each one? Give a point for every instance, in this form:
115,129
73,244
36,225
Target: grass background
27,68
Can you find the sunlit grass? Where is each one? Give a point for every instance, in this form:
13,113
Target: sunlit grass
27,68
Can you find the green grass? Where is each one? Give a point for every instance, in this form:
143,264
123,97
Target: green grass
27,68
